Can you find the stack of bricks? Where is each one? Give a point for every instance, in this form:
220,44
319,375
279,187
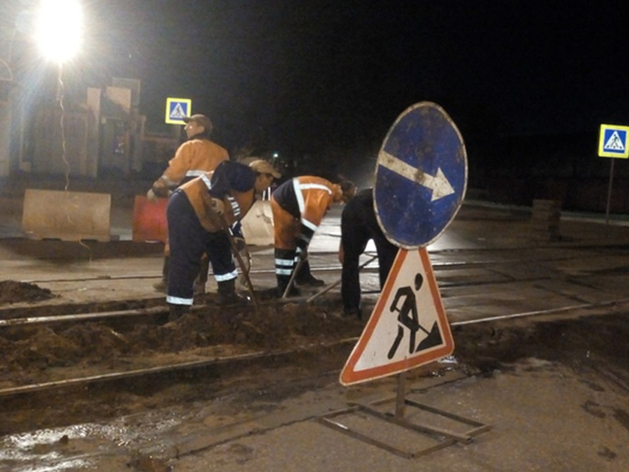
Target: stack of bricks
545,220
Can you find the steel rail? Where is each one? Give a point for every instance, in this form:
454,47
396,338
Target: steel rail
258,355
83,316
327,268
151,311
445,286
214,361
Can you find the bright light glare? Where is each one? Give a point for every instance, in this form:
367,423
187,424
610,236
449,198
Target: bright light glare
59,29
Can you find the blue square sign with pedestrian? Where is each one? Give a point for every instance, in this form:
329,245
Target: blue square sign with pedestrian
613,141
177,109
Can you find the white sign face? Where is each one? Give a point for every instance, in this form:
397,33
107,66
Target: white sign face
408,326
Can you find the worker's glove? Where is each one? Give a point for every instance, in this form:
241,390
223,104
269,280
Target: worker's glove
150,196
218,206
302,243
236,230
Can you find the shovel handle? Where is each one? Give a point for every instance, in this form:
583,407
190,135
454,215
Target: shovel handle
331,286
294,274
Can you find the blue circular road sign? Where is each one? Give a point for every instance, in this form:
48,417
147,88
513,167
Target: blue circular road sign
421,176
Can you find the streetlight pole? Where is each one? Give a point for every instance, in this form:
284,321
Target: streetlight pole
59,28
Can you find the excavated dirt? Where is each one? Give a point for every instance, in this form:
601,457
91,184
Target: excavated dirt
49,353
56,352
17,292
60,351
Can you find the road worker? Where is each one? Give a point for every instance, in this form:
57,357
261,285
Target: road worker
358,227
298,206
200,214
193,158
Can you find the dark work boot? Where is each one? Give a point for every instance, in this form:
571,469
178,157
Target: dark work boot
305,277
357,312
227,293
177,311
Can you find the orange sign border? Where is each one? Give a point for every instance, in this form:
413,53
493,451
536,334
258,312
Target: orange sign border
350,376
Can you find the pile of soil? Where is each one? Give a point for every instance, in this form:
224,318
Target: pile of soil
30,353
16,292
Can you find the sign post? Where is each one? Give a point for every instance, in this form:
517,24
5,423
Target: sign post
612,142
421,178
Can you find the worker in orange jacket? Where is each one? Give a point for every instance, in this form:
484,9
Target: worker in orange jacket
193,158
298,206
200,213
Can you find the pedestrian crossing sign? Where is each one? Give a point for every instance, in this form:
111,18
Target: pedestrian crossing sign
408,326
613,141
177,109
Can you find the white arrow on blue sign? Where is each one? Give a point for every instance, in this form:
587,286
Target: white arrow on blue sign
421,176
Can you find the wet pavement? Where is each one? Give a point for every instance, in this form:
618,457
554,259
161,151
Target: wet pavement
545,414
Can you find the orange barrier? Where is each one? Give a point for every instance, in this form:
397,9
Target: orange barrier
149,219
149,222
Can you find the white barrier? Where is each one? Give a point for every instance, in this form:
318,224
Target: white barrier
257,225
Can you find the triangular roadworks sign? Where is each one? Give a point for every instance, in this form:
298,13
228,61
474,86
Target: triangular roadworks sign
408,326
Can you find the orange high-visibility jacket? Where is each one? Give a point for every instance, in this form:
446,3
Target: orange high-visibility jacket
192,159
231,182
306,199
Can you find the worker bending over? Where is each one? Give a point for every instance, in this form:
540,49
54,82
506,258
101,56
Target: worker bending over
199,215
298,206
358,226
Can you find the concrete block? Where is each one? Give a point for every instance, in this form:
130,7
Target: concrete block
65,215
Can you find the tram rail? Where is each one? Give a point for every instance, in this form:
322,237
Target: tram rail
572,311
567,311
437,266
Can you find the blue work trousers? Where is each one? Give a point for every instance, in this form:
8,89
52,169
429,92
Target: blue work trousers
188,241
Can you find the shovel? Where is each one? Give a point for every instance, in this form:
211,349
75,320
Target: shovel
219,220
294,274
243,267
331,286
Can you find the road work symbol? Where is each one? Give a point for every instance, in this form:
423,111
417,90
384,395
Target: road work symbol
613,141
421,176
408,326
409,319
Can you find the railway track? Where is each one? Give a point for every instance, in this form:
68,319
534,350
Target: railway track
234,361
449,291
437,265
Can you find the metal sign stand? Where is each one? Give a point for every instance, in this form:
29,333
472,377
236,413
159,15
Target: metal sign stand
442,436
609,196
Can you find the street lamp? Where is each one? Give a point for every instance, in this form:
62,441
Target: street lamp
58,32
59,28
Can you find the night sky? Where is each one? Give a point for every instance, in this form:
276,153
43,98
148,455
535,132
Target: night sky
305,77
